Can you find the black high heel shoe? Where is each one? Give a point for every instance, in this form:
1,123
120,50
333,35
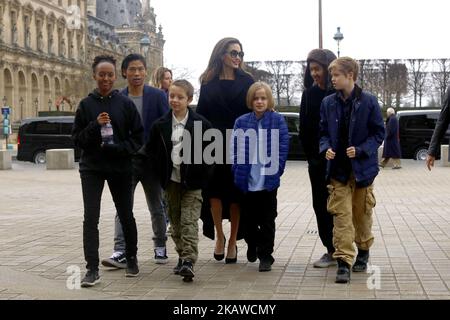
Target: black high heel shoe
219,257
232,260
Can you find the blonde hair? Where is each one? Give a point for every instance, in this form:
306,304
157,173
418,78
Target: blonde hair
158,76
185,85
258,86
345,65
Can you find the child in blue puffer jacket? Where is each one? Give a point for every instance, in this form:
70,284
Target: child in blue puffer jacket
259,149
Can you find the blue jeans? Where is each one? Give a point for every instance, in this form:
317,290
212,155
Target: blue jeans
154,198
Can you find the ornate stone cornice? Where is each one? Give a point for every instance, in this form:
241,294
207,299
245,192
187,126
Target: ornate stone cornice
28,9
15,4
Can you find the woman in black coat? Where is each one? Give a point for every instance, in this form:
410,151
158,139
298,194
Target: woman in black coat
391,147
224,86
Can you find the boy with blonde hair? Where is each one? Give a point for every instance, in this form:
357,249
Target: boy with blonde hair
351,130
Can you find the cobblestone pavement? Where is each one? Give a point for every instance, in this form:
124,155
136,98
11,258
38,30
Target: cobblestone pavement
41,236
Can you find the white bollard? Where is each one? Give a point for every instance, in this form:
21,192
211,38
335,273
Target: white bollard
5,159
444,156
380,153
60,159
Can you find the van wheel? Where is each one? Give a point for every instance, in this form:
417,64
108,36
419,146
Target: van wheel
39,157
421,154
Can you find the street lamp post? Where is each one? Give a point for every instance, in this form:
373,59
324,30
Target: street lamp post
338,36
21,107
4,100
49,104
320,25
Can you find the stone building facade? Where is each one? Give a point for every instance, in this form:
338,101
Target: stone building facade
47,48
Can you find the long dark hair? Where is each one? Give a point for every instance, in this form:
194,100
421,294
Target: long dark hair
215,63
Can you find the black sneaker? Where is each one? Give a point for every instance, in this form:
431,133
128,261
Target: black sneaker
187,269
90,279
265,264
132,268
343,272
117,260
361,261
176,269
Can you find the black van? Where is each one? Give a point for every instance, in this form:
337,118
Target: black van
36,135
295,148
416,129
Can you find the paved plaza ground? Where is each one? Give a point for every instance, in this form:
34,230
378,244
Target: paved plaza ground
41,237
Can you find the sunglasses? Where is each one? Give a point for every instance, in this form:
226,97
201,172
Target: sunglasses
235,54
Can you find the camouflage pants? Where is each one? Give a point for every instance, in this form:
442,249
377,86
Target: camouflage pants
184,207
352,211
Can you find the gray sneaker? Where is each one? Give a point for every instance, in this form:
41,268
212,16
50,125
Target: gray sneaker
325,261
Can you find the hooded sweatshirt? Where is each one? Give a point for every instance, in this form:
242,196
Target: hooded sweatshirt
127,129
311,100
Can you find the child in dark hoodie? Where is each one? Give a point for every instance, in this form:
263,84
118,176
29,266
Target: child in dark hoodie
317,86
107,161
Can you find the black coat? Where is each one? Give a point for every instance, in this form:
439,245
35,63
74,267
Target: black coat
127,128
309,133
220,109
158,151
391,147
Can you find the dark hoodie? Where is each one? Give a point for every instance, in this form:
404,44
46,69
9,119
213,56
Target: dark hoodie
310,104
127,128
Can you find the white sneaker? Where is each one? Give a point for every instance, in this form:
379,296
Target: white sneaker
161,255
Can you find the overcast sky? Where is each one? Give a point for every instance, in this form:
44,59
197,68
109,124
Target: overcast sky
288,29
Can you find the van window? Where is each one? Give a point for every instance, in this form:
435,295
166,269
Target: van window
292,124
45,127
66,128
421,122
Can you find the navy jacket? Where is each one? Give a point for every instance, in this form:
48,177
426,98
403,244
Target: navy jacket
155,105
269,121
366,132
392,141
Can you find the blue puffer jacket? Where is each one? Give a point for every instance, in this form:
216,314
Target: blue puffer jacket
269,121
366,132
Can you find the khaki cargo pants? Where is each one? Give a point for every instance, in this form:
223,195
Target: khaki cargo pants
352,211
184,207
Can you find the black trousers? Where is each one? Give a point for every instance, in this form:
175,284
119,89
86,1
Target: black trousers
317,168
260,211
120,185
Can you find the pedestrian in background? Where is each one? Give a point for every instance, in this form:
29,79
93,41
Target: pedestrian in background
162,79
391,149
